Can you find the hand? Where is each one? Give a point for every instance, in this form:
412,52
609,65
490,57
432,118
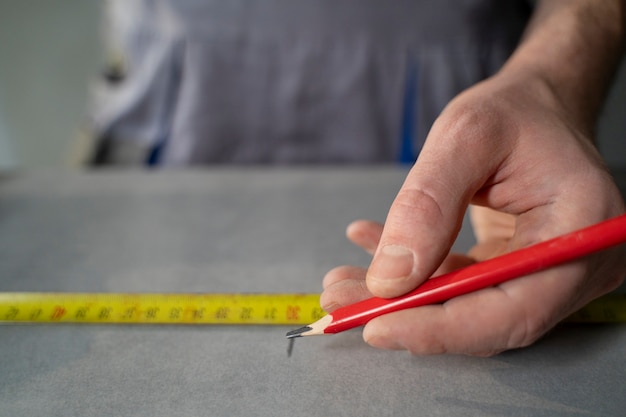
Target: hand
508,147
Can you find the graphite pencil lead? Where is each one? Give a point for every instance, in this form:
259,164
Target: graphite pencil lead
290,346
298,332
312,329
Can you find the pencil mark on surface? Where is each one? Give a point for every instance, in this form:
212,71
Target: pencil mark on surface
290,346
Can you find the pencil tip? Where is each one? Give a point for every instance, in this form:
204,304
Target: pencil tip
298,332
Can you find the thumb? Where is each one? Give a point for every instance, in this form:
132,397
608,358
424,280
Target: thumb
419,231
427,213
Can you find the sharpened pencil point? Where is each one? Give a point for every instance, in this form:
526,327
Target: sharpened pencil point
297,332
312,329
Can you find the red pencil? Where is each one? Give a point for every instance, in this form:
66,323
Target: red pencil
484,274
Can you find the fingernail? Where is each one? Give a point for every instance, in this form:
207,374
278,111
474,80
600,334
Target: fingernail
393,263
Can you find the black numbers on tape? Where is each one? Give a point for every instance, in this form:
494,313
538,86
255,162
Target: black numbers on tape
12,313
152,312
35,314
270,313
222,313
81,312
129,313
175,312
246,313
105,313
317,313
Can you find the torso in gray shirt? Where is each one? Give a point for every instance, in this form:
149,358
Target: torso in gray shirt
293,81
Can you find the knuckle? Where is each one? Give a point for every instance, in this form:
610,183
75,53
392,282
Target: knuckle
419,200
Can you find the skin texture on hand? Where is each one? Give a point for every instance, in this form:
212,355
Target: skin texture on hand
514,149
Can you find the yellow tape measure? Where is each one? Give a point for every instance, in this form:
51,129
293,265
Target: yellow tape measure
173,308
147,308
610,308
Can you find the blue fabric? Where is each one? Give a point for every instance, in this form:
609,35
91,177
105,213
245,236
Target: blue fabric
407,152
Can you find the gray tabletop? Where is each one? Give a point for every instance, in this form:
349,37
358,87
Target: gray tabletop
227,230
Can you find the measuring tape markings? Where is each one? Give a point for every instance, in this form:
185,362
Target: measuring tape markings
146,308
153,308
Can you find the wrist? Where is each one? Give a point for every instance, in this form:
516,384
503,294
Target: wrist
571,51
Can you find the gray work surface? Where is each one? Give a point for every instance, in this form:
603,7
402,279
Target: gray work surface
264,230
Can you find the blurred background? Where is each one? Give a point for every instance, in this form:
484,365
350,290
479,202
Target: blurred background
51,51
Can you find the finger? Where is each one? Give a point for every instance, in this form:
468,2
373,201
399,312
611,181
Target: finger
512,315
365,233
493,231
489,224
343,285
484,322
341,273
427,214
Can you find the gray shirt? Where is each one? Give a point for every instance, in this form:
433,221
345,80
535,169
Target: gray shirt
291,81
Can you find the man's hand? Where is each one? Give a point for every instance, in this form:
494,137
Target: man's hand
509,147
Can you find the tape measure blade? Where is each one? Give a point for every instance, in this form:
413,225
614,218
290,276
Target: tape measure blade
610,308
209,308
155,308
